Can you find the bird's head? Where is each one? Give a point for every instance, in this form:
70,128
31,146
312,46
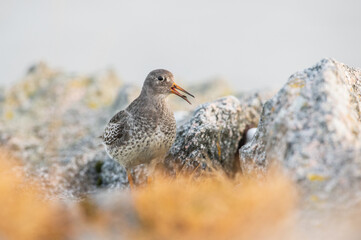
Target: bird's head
160,82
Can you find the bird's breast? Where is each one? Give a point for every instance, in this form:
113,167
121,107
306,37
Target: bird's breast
150,141
150,137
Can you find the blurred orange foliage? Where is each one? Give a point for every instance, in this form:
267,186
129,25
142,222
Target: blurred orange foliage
207,207
23,212
214,207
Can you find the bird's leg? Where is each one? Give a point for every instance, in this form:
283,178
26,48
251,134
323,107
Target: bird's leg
149,180
150,173
152,170
130,179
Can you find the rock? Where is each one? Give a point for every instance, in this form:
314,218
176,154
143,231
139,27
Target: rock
46,94
99,173
263,93
211,89
67,109
83,175
125,96
120,206
250,134
213,134
58,119
312,128
181,117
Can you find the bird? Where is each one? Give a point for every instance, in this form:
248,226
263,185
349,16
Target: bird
144,131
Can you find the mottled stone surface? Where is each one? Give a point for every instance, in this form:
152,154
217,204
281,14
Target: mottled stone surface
213,134
125,95
96,174
51,121
312,128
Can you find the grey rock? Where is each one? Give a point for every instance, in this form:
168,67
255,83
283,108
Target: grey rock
99,173
181,117
119,204
211,89
81,176
125,96
263,93
52,121
213,135
250,134
312,128
115,211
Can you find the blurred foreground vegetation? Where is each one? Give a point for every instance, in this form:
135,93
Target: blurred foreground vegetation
212,207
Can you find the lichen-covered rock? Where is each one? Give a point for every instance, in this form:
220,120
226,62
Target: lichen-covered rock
49,112
312,126
83,174
99,173
125,96
51,120
213,134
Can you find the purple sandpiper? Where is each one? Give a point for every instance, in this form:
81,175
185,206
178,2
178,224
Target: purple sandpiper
144,132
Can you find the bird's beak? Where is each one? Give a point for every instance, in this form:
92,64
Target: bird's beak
174,88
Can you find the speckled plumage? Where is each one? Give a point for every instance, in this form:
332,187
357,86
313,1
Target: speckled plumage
146,129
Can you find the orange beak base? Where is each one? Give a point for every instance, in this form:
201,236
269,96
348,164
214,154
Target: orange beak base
174,88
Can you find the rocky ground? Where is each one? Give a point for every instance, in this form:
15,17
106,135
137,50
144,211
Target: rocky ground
310,131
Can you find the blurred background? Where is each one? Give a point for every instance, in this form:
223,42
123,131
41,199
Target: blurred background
252,44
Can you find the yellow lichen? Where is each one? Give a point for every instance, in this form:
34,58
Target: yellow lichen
296,83
79,83
316,177
314,198
9,115
92,105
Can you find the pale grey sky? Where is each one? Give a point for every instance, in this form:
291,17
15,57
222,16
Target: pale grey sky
252,43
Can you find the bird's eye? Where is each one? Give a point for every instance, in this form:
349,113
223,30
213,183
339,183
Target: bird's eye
160,78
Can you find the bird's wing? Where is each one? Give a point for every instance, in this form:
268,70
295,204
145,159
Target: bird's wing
117,128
